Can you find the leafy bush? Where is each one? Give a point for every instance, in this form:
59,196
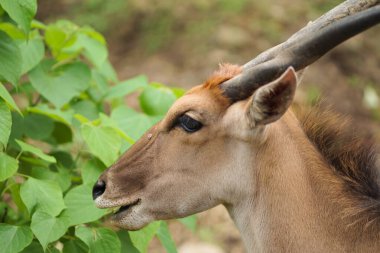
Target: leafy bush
69,123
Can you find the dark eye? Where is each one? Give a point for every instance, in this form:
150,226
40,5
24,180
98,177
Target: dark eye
189,124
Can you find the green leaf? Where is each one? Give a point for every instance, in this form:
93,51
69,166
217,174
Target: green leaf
165,238
79,202
5,124
21,11
126,243
60,85
62,133
94,50
10,59
62,116
190,222
108,71
126,87
104,142
87,109
32,52
91,171
16,198
48,228
156,100
178,92
60,36
99,86
13,31
4,94
31,149
62,177
14,238
8,166
38,126
34,247
75,246
99,240
64,158
134,124
39,195
141,238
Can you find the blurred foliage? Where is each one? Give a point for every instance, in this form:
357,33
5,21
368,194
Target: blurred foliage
69,123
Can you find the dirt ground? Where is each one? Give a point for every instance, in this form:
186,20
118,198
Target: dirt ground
197,40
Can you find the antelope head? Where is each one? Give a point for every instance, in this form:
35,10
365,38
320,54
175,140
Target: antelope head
203,152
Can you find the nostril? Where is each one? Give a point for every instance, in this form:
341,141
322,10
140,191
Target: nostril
99,189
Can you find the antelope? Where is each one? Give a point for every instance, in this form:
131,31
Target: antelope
292,182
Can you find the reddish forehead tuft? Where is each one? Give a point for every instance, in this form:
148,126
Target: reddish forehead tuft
211,86
226,71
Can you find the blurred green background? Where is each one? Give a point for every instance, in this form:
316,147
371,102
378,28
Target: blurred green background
180,43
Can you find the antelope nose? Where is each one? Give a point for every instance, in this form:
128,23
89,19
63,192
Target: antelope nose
99,189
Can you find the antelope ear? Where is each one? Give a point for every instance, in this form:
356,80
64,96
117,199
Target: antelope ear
271,101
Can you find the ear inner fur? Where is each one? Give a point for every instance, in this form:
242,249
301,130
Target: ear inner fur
271,101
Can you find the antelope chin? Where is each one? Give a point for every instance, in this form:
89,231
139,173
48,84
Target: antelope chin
130,216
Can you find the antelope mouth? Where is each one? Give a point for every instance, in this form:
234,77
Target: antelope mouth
125,208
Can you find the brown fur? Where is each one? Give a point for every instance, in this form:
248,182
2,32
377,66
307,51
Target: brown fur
352,157
225,72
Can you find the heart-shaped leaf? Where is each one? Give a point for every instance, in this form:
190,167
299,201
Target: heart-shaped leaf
48,228
103,141
99,240
60,85
21,11
14,238
42,196
79,201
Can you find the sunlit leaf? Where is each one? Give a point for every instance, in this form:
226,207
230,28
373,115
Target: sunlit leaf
99,240
14,238
13,31
59,115
25,147
190,222
91,171
48,228
39,195
141,238
62,177
94,50
8,166
104,142
21,11
32,52
60,36
79,202
4,94
126,87
165,238
5,124
10,59
131,122
60,85
126,243
156,100
87,109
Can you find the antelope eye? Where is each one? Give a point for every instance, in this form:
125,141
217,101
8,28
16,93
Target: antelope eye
189,124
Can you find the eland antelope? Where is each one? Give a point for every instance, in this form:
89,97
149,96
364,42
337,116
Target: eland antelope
292,182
